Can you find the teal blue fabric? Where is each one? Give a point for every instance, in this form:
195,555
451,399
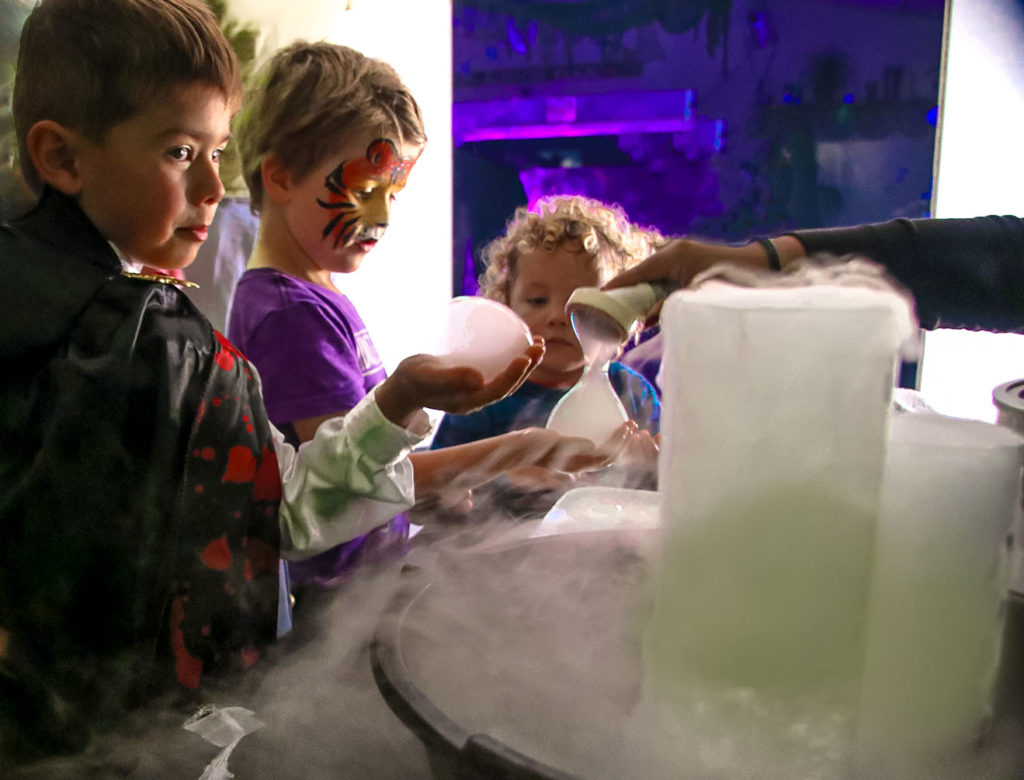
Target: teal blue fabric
532,403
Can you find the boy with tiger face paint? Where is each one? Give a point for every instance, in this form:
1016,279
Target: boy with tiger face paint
338,212
328,138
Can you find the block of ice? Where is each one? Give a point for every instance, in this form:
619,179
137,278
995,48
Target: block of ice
775,411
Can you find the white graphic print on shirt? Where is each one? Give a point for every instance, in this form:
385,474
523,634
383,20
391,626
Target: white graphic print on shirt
369,360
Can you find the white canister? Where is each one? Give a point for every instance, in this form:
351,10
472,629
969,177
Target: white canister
951,490
1009,401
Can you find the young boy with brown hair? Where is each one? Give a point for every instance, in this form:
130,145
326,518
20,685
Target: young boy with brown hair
145,499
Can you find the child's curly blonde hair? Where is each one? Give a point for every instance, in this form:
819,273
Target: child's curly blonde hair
603,229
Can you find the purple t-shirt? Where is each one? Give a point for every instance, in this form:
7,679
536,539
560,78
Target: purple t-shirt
309,344
314,356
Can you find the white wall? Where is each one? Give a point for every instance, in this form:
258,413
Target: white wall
979,170
407,277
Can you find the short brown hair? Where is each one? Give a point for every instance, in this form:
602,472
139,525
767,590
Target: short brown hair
308,97
602,230
90,64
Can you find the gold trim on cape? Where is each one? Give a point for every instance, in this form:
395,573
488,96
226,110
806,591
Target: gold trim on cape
160,278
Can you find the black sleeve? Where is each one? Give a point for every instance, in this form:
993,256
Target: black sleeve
963,273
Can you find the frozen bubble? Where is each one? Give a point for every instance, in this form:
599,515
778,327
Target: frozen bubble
483,334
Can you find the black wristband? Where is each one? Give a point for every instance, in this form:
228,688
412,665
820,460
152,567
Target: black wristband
773,254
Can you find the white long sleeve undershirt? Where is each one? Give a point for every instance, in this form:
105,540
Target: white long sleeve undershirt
351,477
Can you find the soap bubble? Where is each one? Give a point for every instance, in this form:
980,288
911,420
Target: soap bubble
483,334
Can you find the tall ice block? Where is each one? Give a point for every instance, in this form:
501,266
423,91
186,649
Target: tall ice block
951,490
776,404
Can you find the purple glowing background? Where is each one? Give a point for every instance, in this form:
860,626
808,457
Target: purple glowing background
807,113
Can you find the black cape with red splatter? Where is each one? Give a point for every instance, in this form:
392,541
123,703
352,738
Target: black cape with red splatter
139,490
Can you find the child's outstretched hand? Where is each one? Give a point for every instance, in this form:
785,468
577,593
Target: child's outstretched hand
641,460
642,451
426,381
569,454
552,461
532,458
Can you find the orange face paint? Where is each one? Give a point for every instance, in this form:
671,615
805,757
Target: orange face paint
360,191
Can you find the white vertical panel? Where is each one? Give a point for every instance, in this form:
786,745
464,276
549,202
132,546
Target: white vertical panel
979,170
406,279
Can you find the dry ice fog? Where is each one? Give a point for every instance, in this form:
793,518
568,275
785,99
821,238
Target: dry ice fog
821,596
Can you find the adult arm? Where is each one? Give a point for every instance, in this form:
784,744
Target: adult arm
963,273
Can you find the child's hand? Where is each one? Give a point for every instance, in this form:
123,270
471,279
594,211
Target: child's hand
551,461
538,478
637,465
642,451
568,454
533,459
426,381
641,460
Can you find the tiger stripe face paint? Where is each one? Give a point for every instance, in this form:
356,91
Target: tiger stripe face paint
341,209
360,192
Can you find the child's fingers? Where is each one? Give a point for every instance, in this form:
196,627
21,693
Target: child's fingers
651,445
643,445
461,389
577,454
428,375
509,380
505,383
459,501
549,451
539,478
616,444
535,352
621,437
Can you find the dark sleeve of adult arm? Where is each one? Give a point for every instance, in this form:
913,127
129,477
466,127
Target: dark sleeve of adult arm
963,273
